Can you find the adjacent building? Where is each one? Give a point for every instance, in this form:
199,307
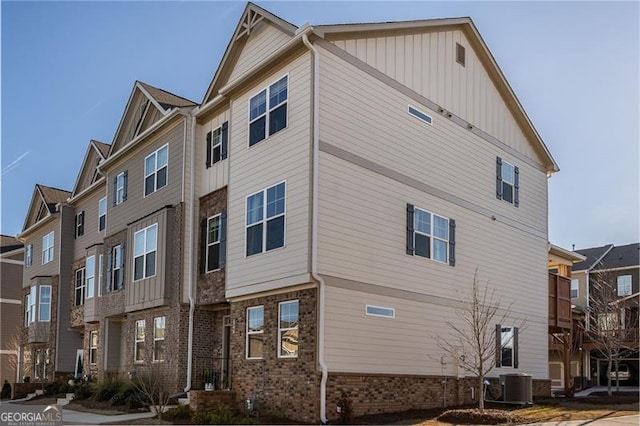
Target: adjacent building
11,266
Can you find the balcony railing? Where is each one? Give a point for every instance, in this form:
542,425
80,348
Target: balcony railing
628,337
211,373
559,302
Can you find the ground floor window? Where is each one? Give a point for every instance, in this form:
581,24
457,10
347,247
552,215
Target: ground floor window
158,338
139,342
93,347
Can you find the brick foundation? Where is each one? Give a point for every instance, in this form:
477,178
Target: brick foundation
210,400
21,390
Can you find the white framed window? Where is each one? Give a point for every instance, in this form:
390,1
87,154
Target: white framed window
90,276
28,255
79,287
145,244
158,338
288,323
265,219
575,285
102,214
268,111
47,247
117,261
93,347
420,115
507,178
431,235
27,299
155,170
138,350
624,285
379,311
33,298
507,339
255,332
79,224
100,280
44,307
216,145
121,188
213,243
610,321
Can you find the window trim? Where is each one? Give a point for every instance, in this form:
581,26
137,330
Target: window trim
120,188
392,311
513,185
155,172
281,329
48,249
265,219
213,145
629,276
251,333
577,288
117,266
144,254
82,286
157,339
268,110
511,343
102,215
208,244
79,224
41,303
418,114
27,307
432,237
93,350
136,341
90,273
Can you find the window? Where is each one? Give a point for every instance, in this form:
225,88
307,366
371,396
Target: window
27,310
377,311
610,321
79,224
460,54
288,329
624,285
574,288
90,276
265,121
506,346
28,255
145,244
102,214
100,275
155,170
265,220
255,332
430,235
217,144
120,188
93,347
80,287
139,341
32,304
158,338
47,247
420,115
213,243
117,262
507,182
44,309
39,369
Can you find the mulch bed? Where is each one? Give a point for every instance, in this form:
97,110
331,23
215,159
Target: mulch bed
473,416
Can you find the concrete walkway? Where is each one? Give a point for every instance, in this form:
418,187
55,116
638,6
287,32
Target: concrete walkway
609,421
70,417
589,391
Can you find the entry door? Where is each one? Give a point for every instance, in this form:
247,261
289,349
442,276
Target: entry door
226,337
79,362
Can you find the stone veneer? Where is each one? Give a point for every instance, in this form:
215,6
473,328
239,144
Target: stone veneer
211,285
287,387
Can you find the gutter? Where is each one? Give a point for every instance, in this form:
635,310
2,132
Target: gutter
314,223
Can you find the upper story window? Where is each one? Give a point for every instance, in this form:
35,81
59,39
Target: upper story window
120,187
155,170
507,182
79,225
430,235
47,247
213,243
506,346
255,332
30,306
217,142
145,244
44,307
117,266
574,288
624,285
79,287
420,115
90,281
268,111
93,347
102,214
28,255
265,219
288,329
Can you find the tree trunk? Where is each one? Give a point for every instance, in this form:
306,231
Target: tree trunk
481,393
617,375
609,377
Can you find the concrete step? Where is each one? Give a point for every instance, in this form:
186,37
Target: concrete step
30,396
70,396
183,401
39,392
62,401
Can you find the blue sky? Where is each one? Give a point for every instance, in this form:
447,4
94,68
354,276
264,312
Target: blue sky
68,69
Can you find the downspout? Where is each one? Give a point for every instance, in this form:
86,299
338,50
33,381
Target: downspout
314,229
192,305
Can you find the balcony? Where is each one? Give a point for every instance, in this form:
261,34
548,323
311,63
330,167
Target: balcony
627,338
559,303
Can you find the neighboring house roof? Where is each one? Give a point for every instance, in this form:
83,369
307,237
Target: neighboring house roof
622,256
570,256
167,99
9,243
593,255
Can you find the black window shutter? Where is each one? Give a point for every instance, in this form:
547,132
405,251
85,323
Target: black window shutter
223,239
452,242
499,178
203,246
208,162
515,347
126,181
108,280
81,225
498,345
225,138
410,229
516,186
115,189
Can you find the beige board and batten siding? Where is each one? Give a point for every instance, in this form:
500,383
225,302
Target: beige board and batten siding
409,345
217,176
91,236
137,205
263,40
284,156
35,239
425,61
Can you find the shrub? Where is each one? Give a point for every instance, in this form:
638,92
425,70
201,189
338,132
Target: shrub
223,416
107,389
6,390
128,395
85,390
179,412
201,418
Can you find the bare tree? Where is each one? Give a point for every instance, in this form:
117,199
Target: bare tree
155,383
612,322
474,340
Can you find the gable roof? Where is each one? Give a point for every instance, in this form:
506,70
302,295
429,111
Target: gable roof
622,256
53,196
87,174
166,100
9,243
593,256
251,16
43,203
102,147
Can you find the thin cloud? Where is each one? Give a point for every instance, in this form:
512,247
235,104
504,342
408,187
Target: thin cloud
14,164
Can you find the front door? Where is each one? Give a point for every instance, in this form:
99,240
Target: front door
79,358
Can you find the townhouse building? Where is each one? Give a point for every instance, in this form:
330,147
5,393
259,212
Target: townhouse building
11,266
309,229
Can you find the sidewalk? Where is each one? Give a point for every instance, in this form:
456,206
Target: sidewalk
70,417
588,391
610,421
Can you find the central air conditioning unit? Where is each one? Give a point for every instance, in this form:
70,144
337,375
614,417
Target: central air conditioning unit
517,388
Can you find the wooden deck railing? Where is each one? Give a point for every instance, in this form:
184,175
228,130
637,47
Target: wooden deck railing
559,302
